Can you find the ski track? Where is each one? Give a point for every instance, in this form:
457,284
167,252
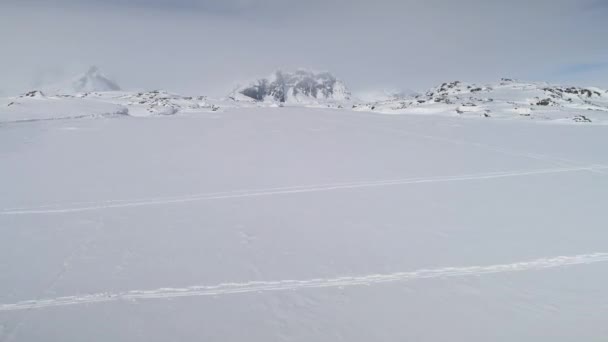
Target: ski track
113,204
562,162
62,118
536,156
284,285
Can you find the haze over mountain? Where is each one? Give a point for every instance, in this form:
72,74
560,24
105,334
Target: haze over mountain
91,80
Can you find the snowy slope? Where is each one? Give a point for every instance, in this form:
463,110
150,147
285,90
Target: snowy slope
505,99
36,105
301,87
299,224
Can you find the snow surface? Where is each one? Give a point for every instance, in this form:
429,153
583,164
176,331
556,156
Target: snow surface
296,224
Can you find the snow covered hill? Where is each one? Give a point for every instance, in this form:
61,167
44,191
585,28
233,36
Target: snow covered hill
155,102
36,105
505,99
92,80
302,87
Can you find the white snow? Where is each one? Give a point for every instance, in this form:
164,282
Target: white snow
232,222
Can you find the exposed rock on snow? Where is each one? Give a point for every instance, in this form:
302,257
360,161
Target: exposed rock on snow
300,87
35,94
507,98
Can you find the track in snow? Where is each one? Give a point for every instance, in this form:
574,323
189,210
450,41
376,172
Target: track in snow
113,204
284,285
506,151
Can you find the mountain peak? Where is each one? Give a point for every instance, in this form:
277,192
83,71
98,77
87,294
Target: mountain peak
300,86
90,81
93,70
93,80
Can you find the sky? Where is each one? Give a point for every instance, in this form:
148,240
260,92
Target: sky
208,47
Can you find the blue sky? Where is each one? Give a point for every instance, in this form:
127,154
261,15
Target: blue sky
582,68
206,46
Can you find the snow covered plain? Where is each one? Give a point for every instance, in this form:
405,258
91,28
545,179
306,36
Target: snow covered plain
300,224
